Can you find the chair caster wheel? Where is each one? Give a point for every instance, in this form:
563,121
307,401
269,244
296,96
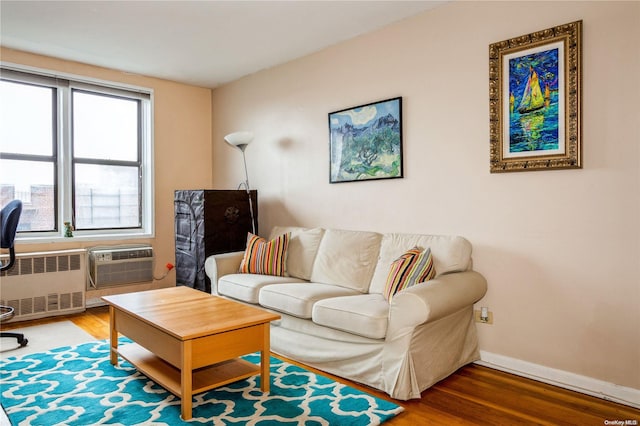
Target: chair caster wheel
23,343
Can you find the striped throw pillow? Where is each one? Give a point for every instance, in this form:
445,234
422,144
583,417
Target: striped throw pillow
413,267
265,257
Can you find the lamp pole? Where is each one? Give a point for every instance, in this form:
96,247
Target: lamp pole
240,140
246,185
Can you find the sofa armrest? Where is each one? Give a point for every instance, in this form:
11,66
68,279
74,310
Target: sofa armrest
435,299
219,265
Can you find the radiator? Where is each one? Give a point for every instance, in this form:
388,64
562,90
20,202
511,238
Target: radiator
119,265
45,284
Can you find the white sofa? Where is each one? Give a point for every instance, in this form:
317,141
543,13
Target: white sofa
335,318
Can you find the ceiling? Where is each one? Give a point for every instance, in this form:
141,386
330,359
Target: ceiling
204,43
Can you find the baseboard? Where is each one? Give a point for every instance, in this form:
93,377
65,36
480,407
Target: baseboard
563,379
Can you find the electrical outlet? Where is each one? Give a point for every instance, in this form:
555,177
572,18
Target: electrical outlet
477,314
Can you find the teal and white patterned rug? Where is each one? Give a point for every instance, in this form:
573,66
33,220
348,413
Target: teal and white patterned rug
77,385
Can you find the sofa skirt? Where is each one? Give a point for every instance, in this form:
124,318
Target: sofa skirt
402,366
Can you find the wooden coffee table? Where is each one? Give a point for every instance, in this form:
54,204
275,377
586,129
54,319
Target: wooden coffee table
188,341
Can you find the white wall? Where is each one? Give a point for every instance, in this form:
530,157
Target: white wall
560,249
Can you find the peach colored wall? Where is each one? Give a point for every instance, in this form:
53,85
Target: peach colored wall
182,150
560,249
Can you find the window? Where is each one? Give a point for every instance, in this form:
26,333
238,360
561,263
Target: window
75,151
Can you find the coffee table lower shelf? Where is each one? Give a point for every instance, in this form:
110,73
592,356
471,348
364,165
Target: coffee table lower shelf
168,376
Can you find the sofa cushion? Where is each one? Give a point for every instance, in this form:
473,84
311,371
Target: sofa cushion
303,247
246,287
265,257
347,259
298,299
365,315
450,254
412,267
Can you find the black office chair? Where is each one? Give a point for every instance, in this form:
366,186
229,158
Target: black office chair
9,217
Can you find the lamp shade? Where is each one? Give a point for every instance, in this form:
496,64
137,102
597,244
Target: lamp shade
239,139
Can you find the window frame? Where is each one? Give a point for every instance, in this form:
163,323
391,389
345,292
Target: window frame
76,160
64,191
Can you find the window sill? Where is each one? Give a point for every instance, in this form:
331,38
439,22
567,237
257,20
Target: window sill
82,237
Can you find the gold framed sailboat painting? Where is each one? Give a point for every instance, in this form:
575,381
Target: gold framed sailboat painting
535,91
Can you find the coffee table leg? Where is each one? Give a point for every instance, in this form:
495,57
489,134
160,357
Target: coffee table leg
265,354
186,385
113,336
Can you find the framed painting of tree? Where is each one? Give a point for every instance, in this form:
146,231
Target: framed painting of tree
366,142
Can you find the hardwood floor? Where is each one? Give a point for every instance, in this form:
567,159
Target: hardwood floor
474,395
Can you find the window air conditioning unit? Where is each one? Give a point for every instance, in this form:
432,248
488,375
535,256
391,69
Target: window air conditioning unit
119,265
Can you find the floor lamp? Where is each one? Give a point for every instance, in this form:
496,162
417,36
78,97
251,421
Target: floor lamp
240,140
